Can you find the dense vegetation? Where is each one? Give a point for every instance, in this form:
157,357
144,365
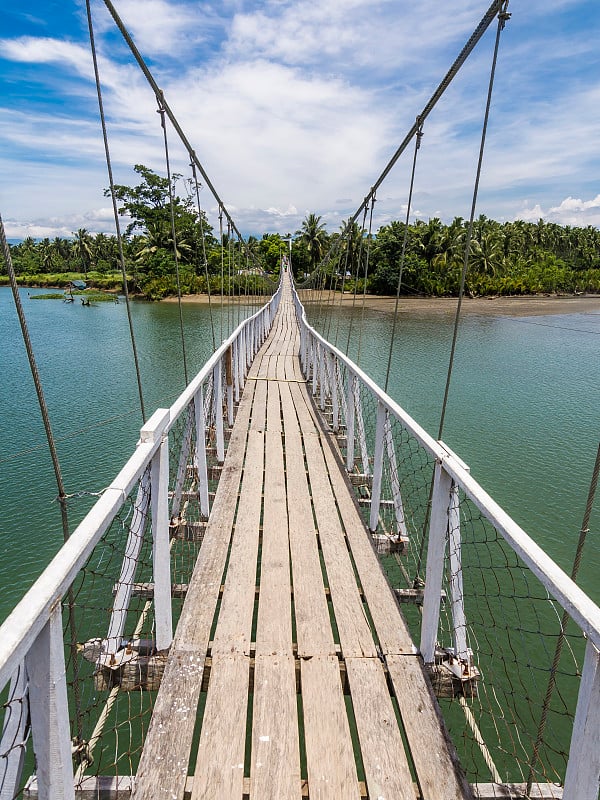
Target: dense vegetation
506,258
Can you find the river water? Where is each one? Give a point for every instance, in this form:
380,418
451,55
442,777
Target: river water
523,409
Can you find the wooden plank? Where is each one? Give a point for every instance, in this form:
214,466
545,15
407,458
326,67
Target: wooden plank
164,761
273,409
274,623
356,638
275,764
220,764
392,631
386,768
234,627
313,627
329,755
438,771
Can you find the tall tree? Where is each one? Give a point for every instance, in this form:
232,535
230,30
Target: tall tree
83,248
314,236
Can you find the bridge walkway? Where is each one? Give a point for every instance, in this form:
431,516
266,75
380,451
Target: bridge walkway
292,672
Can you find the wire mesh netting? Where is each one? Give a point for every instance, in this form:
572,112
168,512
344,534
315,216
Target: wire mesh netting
113,665
507,660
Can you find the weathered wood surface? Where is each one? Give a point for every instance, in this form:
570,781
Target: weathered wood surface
305,614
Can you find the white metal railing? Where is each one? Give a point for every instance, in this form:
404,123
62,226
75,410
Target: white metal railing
33,671
413,487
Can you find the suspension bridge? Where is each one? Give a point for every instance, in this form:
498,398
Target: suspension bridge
292,590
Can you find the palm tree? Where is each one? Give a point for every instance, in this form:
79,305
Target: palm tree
313,234
82,248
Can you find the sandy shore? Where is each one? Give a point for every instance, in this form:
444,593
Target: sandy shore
529,306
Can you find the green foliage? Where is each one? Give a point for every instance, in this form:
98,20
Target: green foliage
509,258
505,258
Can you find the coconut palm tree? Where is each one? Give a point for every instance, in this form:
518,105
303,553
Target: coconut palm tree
82,248
314,235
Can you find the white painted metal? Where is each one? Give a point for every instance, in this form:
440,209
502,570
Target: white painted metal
161,558
362,436
350,417
182,464
438,529
395,478
218,408
377,467
459,622
583,769
200,453
335,397
135,538
581,608
14,734
45,665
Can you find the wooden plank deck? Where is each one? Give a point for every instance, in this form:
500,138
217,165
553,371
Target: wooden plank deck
314,686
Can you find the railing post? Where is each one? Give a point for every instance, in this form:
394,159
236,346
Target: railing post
315,366
218,406
135,537
583,768
161,557
322,377
438,529
49,709
459,622
229,385
395,480
335,398
235,346
350,421
200,453
14,734
360,424
377,466
182,464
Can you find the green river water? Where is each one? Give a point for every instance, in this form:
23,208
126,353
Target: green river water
523,409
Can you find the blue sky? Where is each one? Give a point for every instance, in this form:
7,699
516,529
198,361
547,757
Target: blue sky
296,106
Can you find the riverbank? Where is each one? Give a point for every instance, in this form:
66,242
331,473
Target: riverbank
522,306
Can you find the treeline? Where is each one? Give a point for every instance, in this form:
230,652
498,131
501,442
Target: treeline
510,258
505,258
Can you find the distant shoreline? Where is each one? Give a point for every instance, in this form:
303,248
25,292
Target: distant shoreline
515,306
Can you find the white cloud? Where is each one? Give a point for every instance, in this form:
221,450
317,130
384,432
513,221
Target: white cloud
293,105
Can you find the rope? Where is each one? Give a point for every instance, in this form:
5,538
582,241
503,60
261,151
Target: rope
502,18
418,138
62,495
161,111
585,529
115,209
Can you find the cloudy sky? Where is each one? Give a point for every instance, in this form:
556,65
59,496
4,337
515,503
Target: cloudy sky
295,106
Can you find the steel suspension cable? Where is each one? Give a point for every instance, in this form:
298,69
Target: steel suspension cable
115,209
168,111
358,262
585,529
204,258
498,7
222,266
62,495
502,18
161,112
418,137
364,297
